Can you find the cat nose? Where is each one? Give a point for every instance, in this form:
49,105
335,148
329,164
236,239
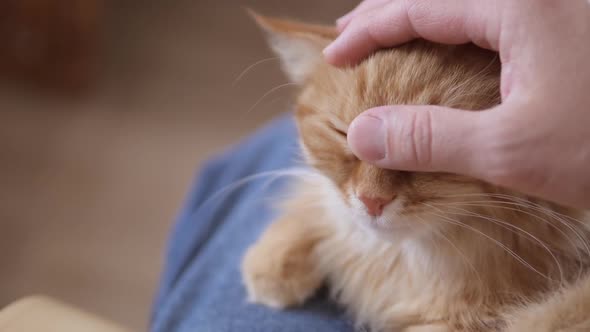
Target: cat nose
375,205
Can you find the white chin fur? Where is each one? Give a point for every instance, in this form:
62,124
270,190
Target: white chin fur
389,226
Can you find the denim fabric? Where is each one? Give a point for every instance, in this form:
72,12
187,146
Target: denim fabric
201,288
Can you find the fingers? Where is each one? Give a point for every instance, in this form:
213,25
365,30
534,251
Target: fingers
422,138
364,6
395,22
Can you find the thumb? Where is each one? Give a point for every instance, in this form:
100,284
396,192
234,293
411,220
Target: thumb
420,138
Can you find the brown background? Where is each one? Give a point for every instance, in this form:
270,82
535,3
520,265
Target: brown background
89,186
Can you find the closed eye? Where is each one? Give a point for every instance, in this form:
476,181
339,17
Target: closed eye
341,132
338,129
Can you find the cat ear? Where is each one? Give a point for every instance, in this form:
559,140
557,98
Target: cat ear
299,45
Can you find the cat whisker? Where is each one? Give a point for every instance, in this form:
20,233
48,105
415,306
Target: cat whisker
518,201
276,88
538,208
250,67
502,205
495,241
517,230
299,172
439,232
515,198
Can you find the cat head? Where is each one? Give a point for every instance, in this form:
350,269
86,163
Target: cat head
419,72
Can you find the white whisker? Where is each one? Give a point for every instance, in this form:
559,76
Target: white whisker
498,243
250,67
538,208
514,228
268,93
300,172
446,238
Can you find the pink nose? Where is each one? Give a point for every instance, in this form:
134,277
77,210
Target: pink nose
375,205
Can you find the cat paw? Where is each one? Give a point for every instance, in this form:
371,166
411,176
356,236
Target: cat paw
278,277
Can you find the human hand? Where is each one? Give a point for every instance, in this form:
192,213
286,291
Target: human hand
537,141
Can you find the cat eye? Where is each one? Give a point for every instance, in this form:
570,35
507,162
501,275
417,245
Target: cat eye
341,132
338,130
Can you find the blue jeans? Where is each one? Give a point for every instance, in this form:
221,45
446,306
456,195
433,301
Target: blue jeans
201,288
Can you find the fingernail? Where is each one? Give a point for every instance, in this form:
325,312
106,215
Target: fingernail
342,21
329,51
367,137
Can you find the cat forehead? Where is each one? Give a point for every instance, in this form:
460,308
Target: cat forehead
368,79
347,92
418,74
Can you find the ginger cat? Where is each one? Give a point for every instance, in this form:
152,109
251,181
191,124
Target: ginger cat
405,251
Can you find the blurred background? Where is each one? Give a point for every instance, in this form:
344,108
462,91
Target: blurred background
107,109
